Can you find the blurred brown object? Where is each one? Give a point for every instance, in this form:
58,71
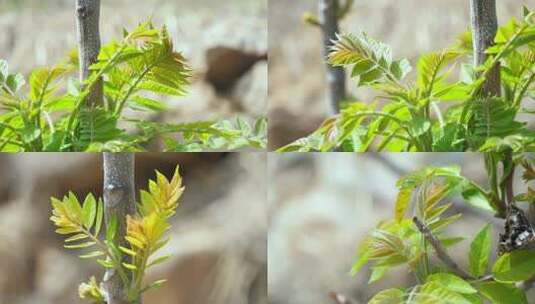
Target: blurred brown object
226,65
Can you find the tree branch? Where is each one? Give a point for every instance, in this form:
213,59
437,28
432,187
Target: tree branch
484,27
439,249
87,24
336,78
119,201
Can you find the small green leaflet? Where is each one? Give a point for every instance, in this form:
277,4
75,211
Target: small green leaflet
515,266
480,249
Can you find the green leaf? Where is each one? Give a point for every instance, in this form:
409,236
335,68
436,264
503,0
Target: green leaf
3,70
372,61
15,82
433,292
81,245
129,266
525,11
402,203
91,255
473,298
378,273
99,216
429,68
89,211
127,251
450,241
492,117
30,133
419,126
96,125
111,229
74,207
154,285
440,224
363,257
68,230
159,260
145,103
452,283
42,82
105,263
388,296
467,73
480,250
515,266
499,293
76,237
476,198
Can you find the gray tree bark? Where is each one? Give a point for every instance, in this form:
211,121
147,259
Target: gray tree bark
336,78
119,200
87,25
484,27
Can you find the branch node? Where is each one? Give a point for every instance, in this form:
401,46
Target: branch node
82,11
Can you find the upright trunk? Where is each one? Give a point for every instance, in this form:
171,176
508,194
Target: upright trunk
484,27
87,24
336,79
119,200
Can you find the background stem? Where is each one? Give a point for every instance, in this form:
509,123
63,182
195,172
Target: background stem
336,78
119,200
87,25
484,27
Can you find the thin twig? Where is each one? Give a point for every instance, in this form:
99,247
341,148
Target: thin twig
439,249
336,78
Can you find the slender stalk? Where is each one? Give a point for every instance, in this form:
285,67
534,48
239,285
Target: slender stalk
336,78
439,249
119,201
87,24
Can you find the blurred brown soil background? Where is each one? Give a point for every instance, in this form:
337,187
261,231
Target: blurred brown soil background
225,42
297,103
218,238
